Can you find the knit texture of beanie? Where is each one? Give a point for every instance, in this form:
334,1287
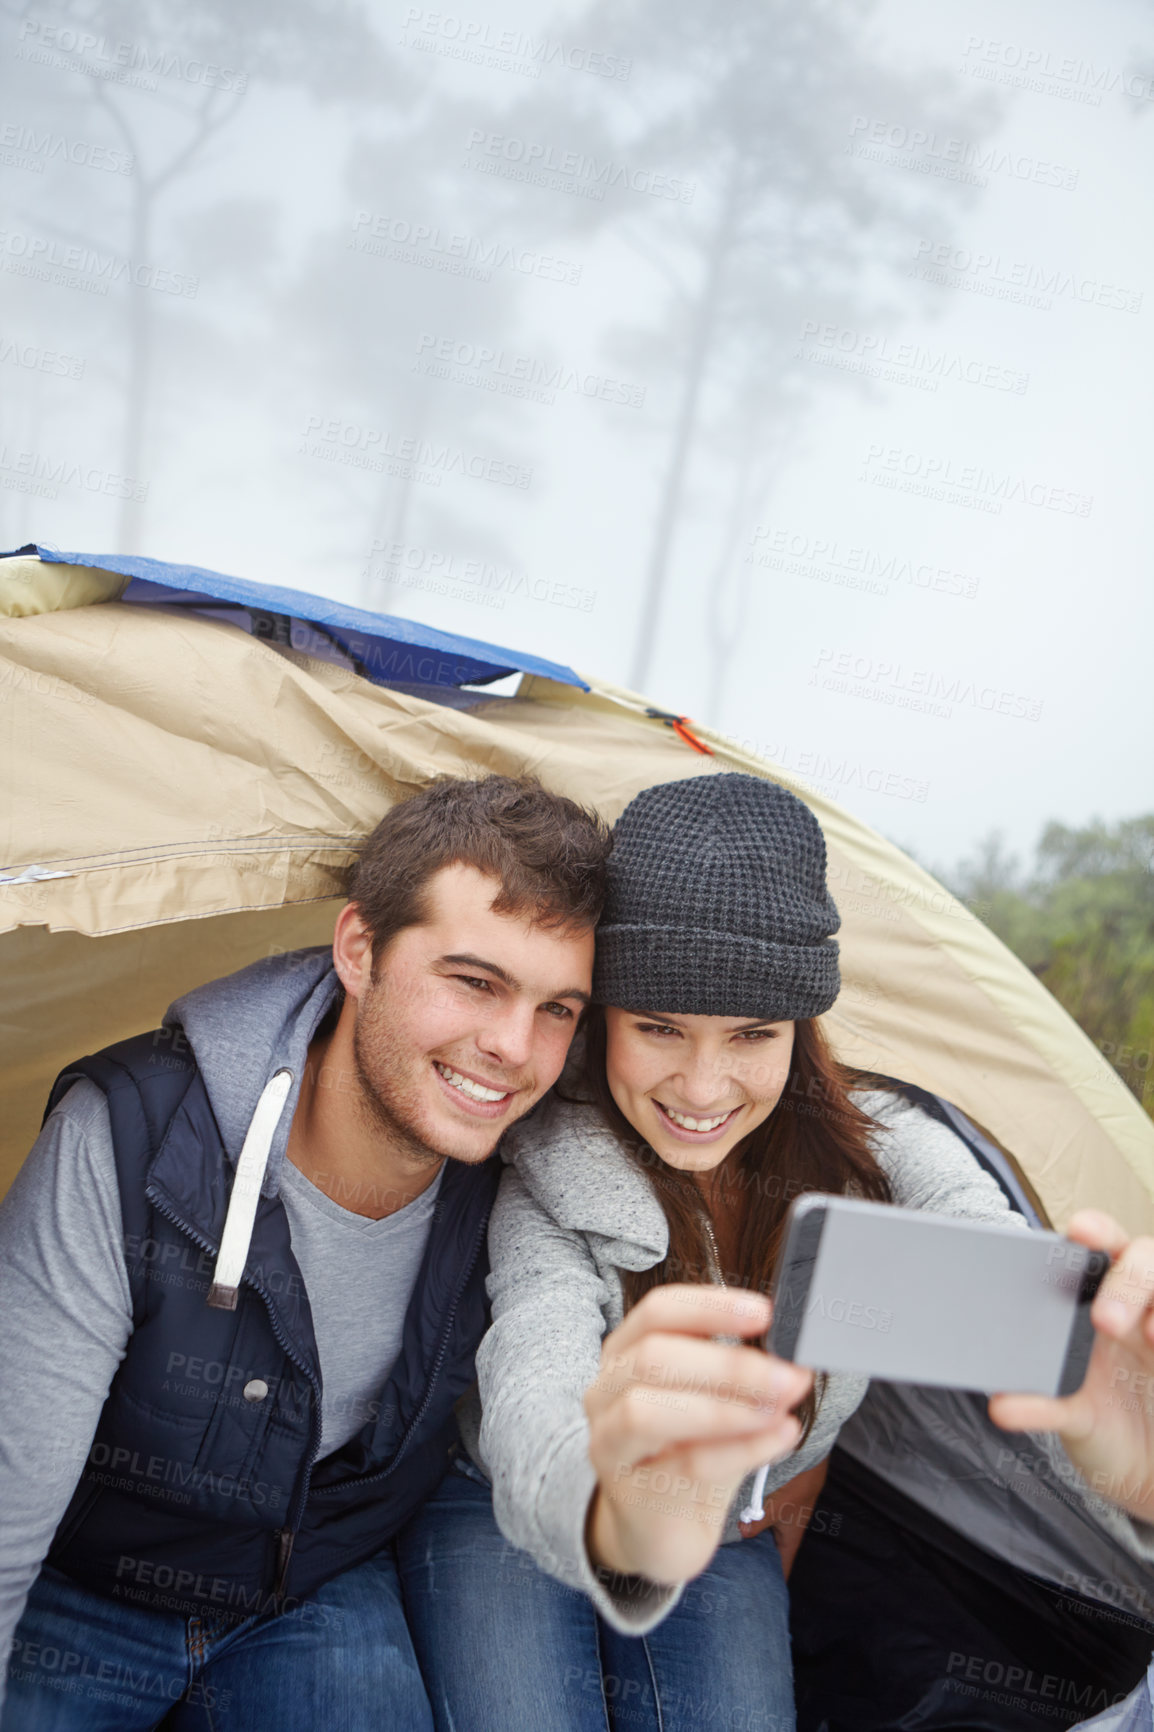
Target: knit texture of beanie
717,904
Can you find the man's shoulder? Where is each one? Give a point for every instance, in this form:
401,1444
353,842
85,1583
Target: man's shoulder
83,1105
153,1052
71,1165
157,1062
123,1099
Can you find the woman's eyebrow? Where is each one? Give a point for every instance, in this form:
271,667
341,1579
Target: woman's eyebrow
674,1022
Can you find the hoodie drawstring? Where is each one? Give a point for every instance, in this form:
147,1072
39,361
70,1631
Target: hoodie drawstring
754,1510
250,1171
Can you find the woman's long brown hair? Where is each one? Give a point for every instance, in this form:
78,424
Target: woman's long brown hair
815,1139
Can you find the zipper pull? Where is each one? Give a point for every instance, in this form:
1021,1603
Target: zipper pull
683,729
284,1552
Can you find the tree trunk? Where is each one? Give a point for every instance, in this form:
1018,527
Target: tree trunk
729,589
131,530
728,598
702,330
384,595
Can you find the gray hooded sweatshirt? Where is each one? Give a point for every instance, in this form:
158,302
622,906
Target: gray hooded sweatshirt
572,1212
64,1289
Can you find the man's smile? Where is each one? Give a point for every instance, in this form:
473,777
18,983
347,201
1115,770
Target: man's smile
478,1098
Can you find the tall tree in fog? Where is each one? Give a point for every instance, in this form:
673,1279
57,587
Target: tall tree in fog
754,105
757,428
758,108
206,61
366,289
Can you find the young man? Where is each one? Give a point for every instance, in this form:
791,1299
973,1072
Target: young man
242,1282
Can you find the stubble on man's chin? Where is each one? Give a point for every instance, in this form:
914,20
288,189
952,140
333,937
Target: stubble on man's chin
385,1113
380,1113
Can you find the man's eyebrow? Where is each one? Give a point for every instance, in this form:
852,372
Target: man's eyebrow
507,979
468,961
577,992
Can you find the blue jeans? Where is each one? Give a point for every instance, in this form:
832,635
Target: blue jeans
341,1661
505,1648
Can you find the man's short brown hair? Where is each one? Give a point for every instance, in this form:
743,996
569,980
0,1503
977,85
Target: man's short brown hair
548,853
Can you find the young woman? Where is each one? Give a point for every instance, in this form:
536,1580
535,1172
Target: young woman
633,1241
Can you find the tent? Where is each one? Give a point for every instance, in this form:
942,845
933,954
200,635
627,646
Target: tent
189,760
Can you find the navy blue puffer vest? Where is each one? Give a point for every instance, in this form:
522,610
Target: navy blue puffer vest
201,1492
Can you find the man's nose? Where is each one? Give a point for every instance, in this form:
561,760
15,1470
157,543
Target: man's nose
508,1036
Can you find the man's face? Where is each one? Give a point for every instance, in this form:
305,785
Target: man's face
468,1020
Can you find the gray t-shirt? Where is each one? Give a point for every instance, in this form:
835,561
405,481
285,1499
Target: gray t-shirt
358,1274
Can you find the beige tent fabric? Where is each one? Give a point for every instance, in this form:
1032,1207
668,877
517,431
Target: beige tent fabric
63,994
31,586
180,798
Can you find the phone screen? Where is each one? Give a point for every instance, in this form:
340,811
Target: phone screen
916,1298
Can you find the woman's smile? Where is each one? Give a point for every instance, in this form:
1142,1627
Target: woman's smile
696,1127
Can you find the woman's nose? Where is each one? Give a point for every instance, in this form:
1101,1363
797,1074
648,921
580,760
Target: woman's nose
703,1082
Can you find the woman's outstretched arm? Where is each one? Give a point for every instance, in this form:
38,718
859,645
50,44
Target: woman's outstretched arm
554,1466
1107,1427
676,1421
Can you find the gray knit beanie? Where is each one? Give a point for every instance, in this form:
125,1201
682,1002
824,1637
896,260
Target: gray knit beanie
717,904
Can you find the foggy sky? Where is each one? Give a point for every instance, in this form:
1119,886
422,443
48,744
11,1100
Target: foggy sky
800,358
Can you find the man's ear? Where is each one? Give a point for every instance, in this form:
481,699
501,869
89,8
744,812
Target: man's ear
353,951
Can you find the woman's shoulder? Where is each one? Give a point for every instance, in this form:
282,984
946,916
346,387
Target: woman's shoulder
899,1121
928,1165
887,1106
575,1168
558,1125
898,1125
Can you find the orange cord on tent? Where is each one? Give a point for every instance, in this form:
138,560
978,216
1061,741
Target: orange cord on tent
681,727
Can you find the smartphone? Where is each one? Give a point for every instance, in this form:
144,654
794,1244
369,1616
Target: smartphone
918,1298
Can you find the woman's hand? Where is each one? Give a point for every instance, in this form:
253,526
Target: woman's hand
1107,1427
676,1421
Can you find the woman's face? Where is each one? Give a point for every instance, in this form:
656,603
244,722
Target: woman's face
693,1086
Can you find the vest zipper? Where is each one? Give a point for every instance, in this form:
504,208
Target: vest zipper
442,1349
284,1552
287,1534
